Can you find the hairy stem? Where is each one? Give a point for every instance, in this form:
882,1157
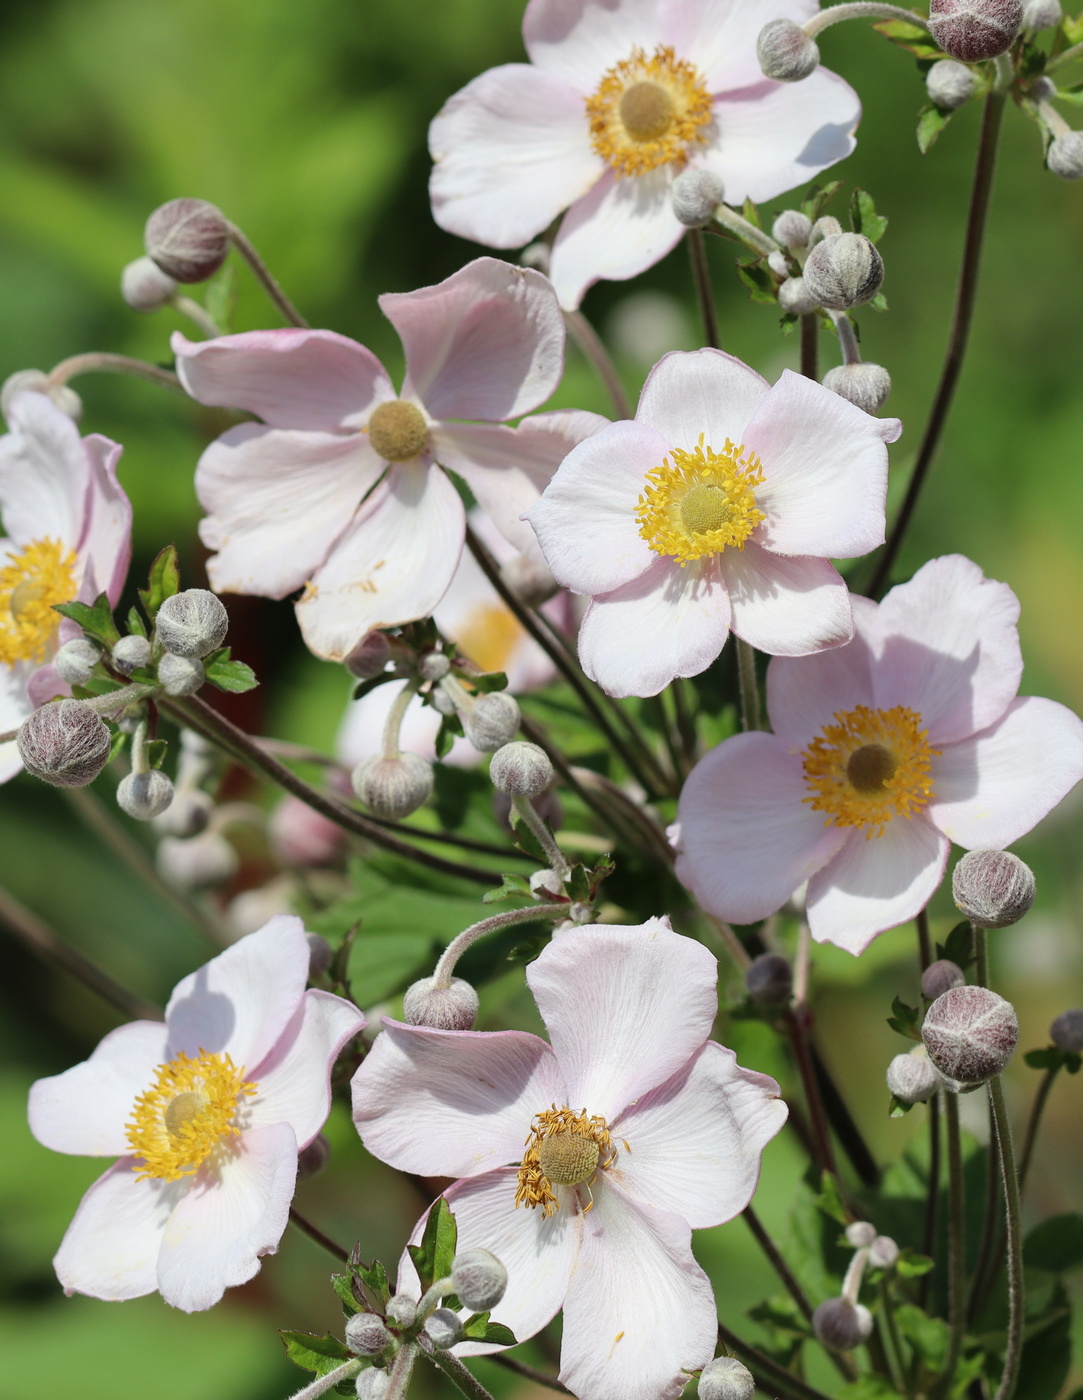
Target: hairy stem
861,9
266,280
95,360
701,276
197,314
441,976
750,689
463,1380
956,1246
316,1234
1015,1241
594,352
1030,1137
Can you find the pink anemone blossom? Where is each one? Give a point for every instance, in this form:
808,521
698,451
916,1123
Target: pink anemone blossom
69,527
586,1162
718,507
337,489
207,1113
619,97
883,753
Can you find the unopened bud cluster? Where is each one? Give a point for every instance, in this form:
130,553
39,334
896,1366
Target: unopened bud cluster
843,270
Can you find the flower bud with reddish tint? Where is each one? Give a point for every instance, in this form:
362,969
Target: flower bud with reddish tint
841,1325
521,768
1065,155
188,813
912,1078
145,795
64,743
725,1378
188,239
193,622
865,385
392,788
453,1008
145,287
785,51
973,30
939,977
319,955
970,1034
367,1334
492,721
372,1384
792,229
843,270
1066,1032
130,653
369,657
696,194
76,660
479,1279
992,888
950,84
769,979
401,1310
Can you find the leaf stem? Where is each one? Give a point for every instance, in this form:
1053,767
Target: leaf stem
1014,1238
530,913
265,278
750,690
463,1380
956,1245
701,276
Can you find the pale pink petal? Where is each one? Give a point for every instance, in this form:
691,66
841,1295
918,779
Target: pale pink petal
392,565
617,230
43,473
487,342
506,472
697,1139
295,1080
625,1007
719,36
105,542
585,521
640,1312
805,693
228,1219
15,705
276,502
825,470
991,789
511,150
111,1247
290,378
452,1103
668,622
950,648
786,606
580,39
240,1002
748,837
85,1110
700,393
876,882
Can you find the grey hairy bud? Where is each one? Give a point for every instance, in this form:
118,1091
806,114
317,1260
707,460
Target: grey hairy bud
860,1233
792,229
392,788
372,1384
188,813
76,660
180,675
795,298
367,1334
130,653
912,1078
883,1252
785,51
401,1310
725,1378
1042,14
865,385
1065,155
492,721
529,579
64,743
188,239
970,1034
844,270
312,1159
192,623
36,381
369,657
479,1279
452,1008
841,1325
433,666
145,795
443,1329
1066,1032
769,979
939,977
994,889
974,30
521,768
145,287
950,84
696,195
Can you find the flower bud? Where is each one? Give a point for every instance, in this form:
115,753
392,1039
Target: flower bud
939,977
769,979
792,229
696,194
1042,14
145,795
911,1078
75,661
824,227
369,657
864,385
795,298
529,579
1066,1032
950,84
320,954
970,1034
492,722
860,1233
1065,156
188,813
973,30
180,675
192,623
545,884
130,653
521,768
443,1328
785,51
841,1325
401,1310
145,287
883,1252
393,787
992,888
725,1378
312,1159
442,702
64,743
372,1384
203,863
844,270
433,666
453,1008
36,381
367,1334
778,262
479,1279
188,239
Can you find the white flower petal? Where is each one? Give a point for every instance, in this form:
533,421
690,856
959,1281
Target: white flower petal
43,473
805,693
700,393
105,542
719,36
786,606
580,39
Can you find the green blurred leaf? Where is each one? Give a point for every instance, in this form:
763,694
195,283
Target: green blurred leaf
905,1019
751,213
928,1335
312,1353
136,626
898,1109
488,681
864,218
432,1257
912,1265
1073,28
958,947
931,122
96,619
511,887
830,1199
868,1388
450,729
232,676
479,1329
912,37
1047,1351
1056,1244
817,196
163,581
757,277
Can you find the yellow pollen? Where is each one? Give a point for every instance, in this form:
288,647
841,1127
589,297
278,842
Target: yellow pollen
870,766
700,502
489,636
33,579
648,111
186,1114
564,1148
398,431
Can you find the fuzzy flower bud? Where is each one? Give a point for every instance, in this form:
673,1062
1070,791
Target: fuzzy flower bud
911,1078
367,1334
130,653
939,977
696,195
992,888
769,979
180,675
1065,156
841,1325
192,623
785,51
433,666
188,813
970,1034
319,955
372,1384
479,1279
64,743
444,1329
75,661
950,84
312,1159
188,239
792,229
36,381
393,787
145,287
521,768
546,884
401,1310
1066,1032
369,657
883,1252
795,298
203,863
864,385
725,1378
844,270
1042,14
860,1233
973,30
453,1008
145,795
529,579
492,722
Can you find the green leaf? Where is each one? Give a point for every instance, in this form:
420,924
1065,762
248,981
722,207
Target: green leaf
1073,28
958,946
1072,94
136,626
488,682
479,1329
905,1019
817,196
912,1265
877,303
526,840
343,1286
751,213
363,687
782,1313
898,1109
512,887
1047,1351
830,1199
95,619
758,279
1056,1244
374,1280
789,323
233,676
912,37
312,1353
931,122
1049,1057
869,1388
928,1335
162,582
450,729
432,1257
116,747
156,751
864,218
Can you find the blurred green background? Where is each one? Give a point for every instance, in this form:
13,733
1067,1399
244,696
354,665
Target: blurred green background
306,124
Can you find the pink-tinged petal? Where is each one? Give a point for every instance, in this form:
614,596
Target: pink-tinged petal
15,705
640,1312
668,622
228,1219
105,542
875,883
241,1002
580,39
748,837
511,150
719,36
295,1080
991,789
392,565
43,685
617,230
111,1247
696,1140
625,1008
949,648
825,470
805,693
452,1103
487,342
43,473
689,394
290,378
786,606
586,522
276,502
85,1110
776,136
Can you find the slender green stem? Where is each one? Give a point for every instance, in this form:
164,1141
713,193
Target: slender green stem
932,1196
810,345
1031,1134
989,1248
95,360
197,314
595,353
322,1384
686,724
441,976
894,1348
463,1380
956,1246
771,1376
751,236
750,689
402,1368
861,9
925,944
524,809
980,944
530,1373
701,276
1016,1298
316,1234
266,280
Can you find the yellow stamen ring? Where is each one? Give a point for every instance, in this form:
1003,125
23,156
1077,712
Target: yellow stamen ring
647,112
33,579
186,1114
700,502
564,1148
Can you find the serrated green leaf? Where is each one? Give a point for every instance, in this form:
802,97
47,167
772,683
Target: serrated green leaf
601,872
928,1335
898,1109
863,216
529,949
512,886
829,1201
757,278
343,1287
931,122
136,626
232,676
432,1257
96,619
912,37
374,1280
905,1019
479,1329
789,323
312,1353
162,582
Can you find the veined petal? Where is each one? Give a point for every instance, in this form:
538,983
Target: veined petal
580,39
15,705
43,473
805,693
719,36
786,606
700,393
105,541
